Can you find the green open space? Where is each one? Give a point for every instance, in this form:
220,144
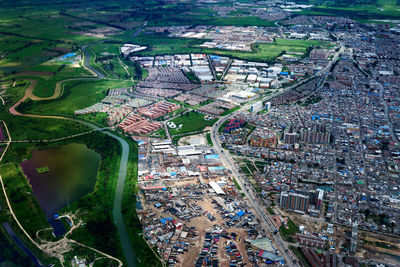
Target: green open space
159,133
23,128
30,38
287,232
355,9
77,95
209,141
107,59
237,185
24,204
99,118
191,122
46,84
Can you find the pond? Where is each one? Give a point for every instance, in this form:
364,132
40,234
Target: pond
70,173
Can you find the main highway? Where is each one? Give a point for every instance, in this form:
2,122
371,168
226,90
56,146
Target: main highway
247,189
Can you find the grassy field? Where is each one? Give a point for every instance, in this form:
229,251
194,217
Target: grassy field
23,202
108,59
288,233
191,122
22,128
77,95
268,52
360,10
209,141
27,209
99,118
46,84
30,38
48,75
237,185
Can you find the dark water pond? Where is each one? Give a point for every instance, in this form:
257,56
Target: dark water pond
72,172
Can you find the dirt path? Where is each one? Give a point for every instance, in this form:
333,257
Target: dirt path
58,248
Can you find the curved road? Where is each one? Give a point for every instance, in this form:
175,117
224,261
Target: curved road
117,214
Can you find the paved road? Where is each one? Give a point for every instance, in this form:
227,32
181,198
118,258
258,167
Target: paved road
247,189
249,193
381,96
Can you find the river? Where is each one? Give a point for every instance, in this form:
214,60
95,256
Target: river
127,247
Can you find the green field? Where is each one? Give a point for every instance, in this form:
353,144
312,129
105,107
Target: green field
289,232
77,95
268,52
357,9
23,128
209,141
191,122
30,38
24,204
46,84
26,208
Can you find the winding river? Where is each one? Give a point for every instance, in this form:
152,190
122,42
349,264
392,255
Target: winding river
127,247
